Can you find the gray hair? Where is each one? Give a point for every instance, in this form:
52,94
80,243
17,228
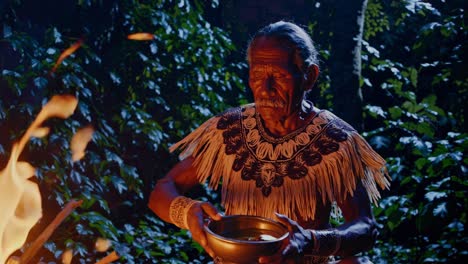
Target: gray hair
294,37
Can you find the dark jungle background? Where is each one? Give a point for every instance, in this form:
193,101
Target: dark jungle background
404,86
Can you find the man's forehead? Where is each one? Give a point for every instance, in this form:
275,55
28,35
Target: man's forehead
269,50
270,56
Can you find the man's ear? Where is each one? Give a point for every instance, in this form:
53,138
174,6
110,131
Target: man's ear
311,76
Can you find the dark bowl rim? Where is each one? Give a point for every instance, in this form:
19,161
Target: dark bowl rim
237,241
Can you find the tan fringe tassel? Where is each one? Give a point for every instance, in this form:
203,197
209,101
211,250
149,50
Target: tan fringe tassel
332,180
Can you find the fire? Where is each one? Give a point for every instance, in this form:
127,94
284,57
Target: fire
141,36
20,203
67,53
102,244
20,199
79,142
67,256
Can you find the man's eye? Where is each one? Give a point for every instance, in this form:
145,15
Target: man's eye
254,76
283,76
258,75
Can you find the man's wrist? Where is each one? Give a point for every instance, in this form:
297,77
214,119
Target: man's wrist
178,211
326,242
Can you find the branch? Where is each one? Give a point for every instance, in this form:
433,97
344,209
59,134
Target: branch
44,236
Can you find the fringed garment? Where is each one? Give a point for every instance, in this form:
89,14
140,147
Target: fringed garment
262,174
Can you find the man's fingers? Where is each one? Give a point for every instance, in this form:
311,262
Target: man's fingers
211,211
200,231
210,252
290,224
199,235
283,220
281,217
204,243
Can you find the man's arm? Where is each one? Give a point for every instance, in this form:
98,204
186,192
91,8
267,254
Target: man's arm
180,179
359,231
357,234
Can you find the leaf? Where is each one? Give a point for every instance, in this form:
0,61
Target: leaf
111,156
115,78
57,36
10,73
406,180
430,26
425,128
40,82
414,77
395,112
431,196
51,51
119,184
82,230
154,48
420,163
440,210
376,111
379,142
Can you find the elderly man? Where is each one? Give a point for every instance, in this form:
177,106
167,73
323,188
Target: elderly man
280,158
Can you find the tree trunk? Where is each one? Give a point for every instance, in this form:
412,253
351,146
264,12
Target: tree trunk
347,24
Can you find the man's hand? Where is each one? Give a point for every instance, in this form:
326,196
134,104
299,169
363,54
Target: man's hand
294,247
362,231
195,220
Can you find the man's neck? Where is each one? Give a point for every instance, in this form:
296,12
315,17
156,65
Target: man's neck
284,125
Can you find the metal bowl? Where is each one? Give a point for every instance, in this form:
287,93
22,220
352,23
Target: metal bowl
234,239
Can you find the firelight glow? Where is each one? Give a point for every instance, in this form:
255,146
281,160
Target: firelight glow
20,199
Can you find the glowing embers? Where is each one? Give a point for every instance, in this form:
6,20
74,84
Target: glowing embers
79,142
67,53
141,36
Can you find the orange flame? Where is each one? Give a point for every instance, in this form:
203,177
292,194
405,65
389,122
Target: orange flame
109,258
67,256
141,36
102,244
67,53
80,141
20,199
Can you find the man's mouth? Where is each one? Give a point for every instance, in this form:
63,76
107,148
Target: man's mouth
272,103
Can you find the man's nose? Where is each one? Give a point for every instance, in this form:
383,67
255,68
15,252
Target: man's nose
268,87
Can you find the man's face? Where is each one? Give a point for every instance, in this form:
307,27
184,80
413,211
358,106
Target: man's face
274,79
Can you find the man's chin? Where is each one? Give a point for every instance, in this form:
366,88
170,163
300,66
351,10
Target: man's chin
270,113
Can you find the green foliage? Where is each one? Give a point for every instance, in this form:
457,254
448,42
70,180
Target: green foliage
140,96
375,19
143,96
415,89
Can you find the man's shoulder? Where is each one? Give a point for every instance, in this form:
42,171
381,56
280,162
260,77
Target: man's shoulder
237,109
327,116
